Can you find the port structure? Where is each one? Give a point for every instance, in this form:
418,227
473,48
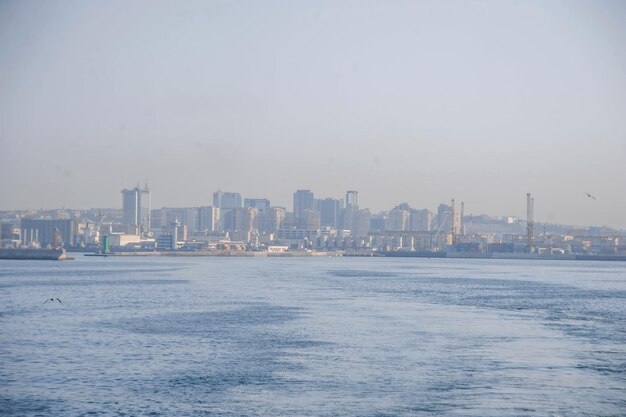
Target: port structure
530,222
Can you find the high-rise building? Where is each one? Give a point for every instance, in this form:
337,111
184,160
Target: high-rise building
302,200
420,220
330,209
351,211
261,204
208,218
262,207
274,219
244,223
310,220
227,219
399,217
11,235
186,216
189,218
155,219
227,203
226,200
444,217
362,223
136,209
448,220
352,199
379,222
245,218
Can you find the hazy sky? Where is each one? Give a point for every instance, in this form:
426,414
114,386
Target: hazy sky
405,101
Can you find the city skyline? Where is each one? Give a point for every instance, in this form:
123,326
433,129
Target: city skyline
353,207
234,199
314,223
413,102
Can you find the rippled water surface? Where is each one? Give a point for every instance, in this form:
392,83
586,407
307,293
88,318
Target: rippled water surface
312,337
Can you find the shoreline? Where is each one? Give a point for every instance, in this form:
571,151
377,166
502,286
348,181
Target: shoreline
305,254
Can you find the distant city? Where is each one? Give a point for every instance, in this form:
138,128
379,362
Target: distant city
234,224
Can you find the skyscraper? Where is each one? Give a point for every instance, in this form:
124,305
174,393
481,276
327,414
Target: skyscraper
225,200
274,219
352,199
351,211
399,217
329,212
362,223
208,218
302,200
420,220
261,204
187,216
310,220
227,203
136,208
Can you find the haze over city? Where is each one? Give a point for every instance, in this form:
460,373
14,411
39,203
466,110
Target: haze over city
414,102
316,208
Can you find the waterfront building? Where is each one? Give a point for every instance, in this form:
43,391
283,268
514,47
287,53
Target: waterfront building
9,231
41,231
410,240
10,235
90,233
297,234
117,240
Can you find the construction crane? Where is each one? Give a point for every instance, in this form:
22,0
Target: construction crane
453,226
442,222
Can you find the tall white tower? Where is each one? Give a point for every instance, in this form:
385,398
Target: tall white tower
136,208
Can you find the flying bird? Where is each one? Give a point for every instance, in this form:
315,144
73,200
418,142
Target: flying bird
53,300
590,196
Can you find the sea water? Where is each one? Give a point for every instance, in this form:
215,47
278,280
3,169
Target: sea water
312,337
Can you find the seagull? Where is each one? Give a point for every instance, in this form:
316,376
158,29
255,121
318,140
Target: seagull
53,300
590,196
